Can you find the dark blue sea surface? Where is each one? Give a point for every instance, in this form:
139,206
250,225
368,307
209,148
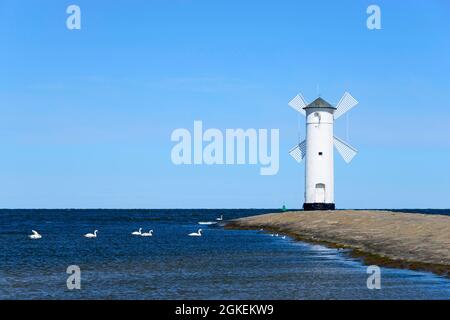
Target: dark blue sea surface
222,264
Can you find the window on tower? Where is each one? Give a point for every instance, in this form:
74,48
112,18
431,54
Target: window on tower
320,153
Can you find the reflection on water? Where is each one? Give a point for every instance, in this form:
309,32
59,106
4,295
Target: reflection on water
222,264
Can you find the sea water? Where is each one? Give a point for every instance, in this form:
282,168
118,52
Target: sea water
221,264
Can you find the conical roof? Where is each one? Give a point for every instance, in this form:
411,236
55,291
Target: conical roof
319,103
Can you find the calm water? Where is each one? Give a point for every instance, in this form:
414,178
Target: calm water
223,264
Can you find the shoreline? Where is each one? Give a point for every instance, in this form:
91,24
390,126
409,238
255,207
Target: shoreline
392,239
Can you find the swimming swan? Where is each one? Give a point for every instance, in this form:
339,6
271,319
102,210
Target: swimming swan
207,223
137,233
147,234
220,219
35,235
91,235
196,234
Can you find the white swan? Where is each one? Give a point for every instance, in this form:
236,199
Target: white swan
196,234
147,234
91,235
137,233
35,235
220,219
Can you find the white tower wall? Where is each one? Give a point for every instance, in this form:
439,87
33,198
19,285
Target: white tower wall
319,171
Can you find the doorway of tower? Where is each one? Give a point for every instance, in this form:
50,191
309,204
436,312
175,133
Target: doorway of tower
320,193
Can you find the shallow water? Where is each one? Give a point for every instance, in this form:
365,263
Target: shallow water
222,264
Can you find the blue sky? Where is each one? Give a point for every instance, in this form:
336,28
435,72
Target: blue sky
86,116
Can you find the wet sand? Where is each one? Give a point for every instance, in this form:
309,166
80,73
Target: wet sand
405,240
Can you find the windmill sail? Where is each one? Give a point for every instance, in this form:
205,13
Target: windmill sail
299,151
345,150
346,103
298,103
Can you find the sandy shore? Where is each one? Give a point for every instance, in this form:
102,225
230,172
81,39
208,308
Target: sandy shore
414,241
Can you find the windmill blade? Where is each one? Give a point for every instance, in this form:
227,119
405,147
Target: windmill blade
346,103
345,150
299,151
298,103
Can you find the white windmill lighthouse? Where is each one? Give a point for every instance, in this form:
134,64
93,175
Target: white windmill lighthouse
317,148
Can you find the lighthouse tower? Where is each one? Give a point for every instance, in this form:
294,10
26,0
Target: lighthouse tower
317,148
